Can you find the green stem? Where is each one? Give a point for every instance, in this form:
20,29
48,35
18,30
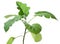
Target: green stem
31,19
25,29
19,36
24,32
24,36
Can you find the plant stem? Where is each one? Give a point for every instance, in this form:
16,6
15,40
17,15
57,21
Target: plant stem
19,36
24,35
31,19
24,32
25,29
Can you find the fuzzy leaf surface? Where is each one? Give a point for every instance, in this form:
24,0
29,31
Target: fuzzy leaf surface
10,41
23,9
45,14
37,37
34,28
10,22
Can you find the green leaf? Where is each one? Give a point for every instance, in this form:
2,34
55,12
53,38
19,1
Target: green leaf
37,27
10,22
34,28
45,14
10,41
21,13
8,16
23,8
36,37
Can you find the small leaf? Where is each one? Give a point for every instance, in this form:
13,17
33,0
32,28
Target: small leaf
23,8
10,22
21,13
34,28
45,14
7,16
36,37
10,41
37,28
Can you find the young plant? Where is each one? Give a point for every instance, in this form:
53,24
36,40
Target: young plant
23,13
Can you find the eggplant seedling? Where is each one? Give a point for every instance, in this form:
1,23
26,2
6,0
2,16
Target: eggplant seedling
23,13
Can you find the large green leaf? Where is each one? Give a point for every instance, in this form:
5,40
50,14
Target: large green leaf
36,37
45,14
10,22
34,28
24,10
7,16
10,41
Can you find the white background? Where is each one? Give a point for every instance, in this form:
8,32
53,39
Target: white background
50,27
